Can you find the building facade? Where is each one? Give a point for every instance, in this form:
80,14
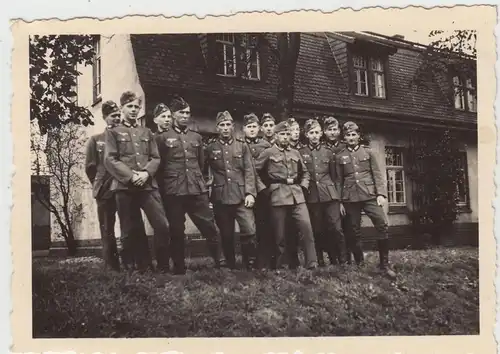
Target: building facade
354,76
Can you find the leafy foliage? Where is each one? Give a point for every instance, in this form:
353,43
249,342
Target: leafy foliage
436,171
452,52
60,158
53,75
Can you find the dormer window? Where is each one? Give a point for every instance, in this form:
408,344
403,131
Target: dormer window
369,76
237,56
465,95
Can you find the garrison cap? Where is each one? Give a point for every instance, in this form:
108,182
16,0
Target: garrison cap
292,121
350,127
282,126
267,117
329,121
128,96
311,124
159,109
108,108
222,117
178,103
250,118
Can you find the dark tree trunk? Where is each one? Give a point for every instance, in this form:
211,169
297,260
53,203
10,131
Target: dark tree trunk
288,47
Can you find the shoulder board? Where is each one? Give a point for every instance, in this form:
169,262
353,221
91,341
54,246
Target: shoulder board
241,140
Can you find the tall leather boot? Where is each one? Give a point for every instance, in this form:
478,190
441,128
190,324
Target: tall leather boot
383,250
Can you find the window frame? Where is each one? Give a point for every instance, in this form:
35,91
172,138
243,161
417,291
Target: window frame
464,88
226,44
97,72
370,84
464,160
400,150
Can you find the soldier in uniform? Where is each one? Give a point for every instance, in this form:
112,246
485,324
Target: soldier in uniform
233,190
101,183
331,135
132,158
293,239
106,204
184,188
323,199
267,124
288,180
162,117
265,242
363,188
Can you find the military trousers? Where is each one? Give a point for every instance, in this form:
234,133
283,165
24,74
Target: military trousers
377,216
299,216
225,217
198,209
129,203
266,246
327,227
106,213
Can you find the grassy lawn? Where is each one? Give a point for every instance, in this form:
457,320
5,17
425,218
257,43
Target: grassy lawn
436,292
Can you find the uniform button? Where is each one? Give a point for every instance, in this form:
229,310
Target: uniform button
357,181
187,169
356,172
229,179
226,152
138,164
185,150
228,170
137,144
137,153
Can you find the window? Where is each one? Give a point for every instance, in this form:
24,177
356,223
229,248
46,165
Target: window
463,180
252,57
238,56
395,175
465,95
96,70
369,76
226,54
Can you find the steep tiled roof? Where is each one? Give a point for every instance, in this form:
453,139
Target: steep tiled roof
177,62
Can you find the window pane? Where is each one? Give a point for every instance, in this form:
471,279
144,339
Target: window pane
471,101
379,84
459,99
376,65
359,62
230,57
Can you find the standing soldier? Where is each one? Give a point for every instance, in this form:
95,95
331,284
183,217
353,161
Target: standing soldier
233,190
288,179
363,188
293,239
323,199
331,134
184,189
101,182
267,124
162,117
132,158
265,243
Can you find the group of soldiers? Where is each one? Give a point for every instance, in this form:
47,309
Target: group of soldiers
278,190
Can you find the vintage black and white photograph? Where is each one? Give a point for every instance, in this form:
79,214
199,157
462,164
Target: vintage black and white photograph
255,184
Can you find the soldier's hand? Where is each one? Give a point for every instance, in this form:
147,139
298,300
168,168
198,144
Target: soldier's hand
249,201
380,200
135,179
342,209
142,177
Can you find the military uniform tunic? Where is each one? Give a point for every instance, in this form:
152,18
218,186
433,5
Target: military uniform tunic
129,148
288,178
323,201
361,181
233,172
184,190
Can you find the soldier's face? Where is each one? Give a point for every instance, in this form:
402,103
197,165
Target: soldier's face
314,135
251,130
294,132
113,119
268,128
225,129
131,110
352,138
283,137
332,132
164,120
181,118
